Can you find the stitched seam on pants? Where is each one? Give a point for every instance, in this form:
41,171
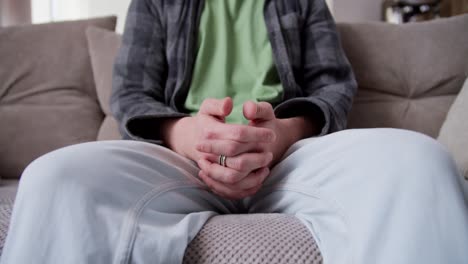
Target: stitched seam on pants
298,188
128,233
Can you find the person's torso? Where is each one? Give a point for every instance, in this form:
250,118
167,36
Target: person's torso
180,25
234,57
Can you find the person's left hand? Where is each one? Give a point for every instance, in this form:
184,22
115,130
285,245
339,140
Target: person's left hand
288,130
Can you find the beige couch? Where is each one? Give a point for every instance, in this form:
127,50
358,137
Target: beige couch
55,82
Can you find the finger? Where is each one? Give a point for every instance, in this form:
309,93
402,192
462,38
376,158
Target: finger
220,173
229,148
262,111
232,195
253,180
226,191
240,133
246,162
216,107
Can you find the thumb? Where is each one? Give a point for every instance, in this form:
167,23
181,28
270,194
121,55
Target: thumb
217,107
262,111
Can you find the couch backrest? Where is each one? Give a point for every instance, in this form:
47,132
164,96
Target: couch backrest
47,94
408,75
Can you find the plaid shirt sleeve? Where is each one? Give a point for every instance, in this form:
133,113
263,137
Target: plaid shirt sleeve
140,73
328,85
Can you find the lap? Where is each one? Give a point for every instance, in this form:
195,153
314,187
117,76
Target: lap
351,189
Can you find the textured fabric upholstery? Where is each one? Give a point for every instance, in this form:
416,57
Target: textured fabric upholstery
103,47
454,131
408,75
47,94
7,197
253,239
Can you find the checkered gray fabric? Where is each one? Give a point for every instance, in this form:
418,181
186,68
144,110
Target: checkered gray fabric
154,67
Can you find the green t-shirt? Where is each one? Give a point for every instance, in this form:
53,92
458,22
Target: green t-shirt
234,57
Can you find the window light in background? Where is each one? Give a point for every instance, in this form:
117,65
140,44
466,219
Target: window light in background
55,10
44,11
15,12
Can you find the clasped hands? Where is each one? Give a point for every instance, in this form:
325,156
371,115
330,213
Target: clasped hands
251,150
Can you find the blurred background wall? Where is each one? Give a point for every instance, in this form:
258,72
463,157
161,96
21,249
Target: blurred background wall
357,10
14,12
56,10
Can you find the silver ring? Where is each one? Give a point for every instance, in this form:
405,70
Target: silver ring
222,160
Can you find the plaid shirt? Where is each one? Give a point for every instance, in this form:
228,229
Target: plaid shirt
154,67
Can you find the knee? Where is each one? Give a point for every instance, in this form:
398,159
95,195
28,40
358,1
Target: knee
387,155
76,165
407,156
382,146
405,146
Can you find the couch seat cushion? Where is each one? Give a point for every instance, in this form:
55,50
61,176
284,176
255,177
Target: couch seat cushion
254,238
7,197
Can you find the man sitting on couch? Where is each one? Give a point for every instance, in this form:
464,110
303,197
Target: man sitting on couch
267,140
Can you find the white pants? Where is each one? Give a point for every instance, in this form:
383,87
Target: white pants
367,196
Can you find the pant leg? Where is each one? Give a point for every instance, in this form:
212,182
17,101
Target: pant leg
109,202
372,196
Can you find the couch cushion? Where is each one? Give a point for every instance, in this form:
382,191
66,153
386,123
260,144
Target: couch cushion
253,238
454,131
7,196
103,48
47,94
408,74
109,129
